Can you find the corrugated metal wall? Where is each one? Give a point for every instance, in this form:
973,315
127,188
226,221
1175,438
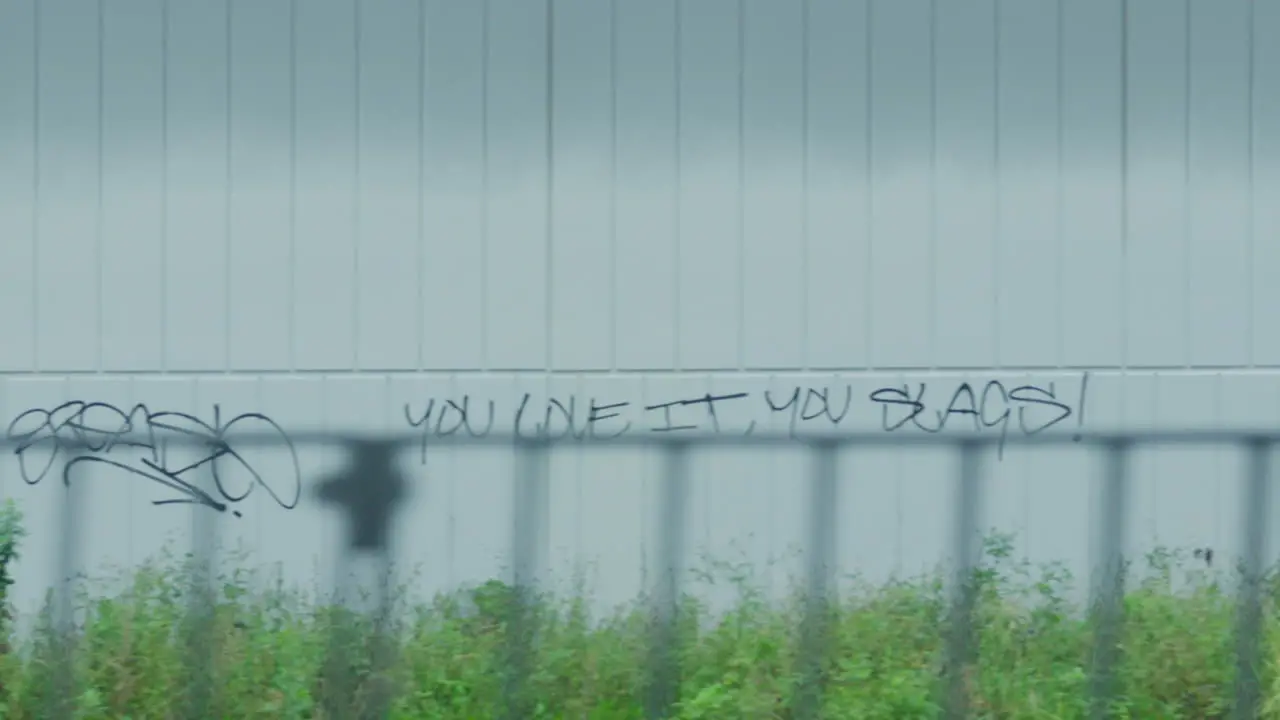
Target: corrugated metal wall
348,213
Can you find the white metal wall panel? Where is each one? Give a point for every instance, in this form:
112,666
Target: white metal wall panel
343,213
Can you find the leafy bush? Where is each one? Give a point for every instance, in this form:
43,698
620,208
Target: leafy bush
268,648
11,534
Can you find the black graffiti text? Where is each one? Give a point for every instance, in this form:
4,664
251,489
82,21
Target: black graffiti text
92,431
683,421
808,403
1037,408
450,417
993,406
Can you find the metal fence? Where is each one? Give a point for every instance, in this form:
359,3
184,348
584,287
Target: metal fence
369,489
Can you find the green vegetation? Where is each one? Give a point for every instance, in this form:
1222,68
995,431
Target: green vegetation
446,657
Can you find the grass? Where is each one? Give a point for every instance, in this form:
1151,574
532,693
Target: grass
266,647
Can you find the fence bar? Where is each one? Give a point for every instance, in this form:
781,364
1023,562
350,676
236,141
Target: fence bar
243,439
201,610
967,549
664,670
814,648
1108,601
366,491
1249,622
531,498
62,687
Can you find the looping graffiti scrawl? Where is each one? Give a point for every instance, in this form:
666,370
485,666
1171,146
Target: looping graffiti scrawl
98,433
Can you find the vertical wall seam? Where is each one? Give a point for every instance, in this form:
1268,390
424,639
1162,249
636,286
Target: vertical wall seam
100,209
357,181
227,193
421,227
1251,170
164,185
1060,140
869,227
998,178
933,184
677,6
1124,184
1187,194
549,190
741,278
35,184
293,186
485,303
613,185
806,270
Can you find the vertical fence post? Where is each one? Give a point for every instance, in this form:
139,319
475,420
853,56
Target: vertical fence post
1249,622
664,670
368,490
201,607
62,688
815,631
530,498
1108,591
967,548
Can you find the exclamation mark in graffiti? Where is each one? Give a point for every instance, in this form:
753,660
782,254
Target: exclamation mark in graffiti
1084,390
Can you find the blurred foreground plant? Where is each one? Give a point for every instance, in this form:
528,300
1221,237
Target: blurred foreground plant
272,648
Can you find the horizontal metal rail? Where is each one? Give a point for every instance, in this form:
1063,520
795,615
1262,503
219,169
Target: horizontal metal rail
67,437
